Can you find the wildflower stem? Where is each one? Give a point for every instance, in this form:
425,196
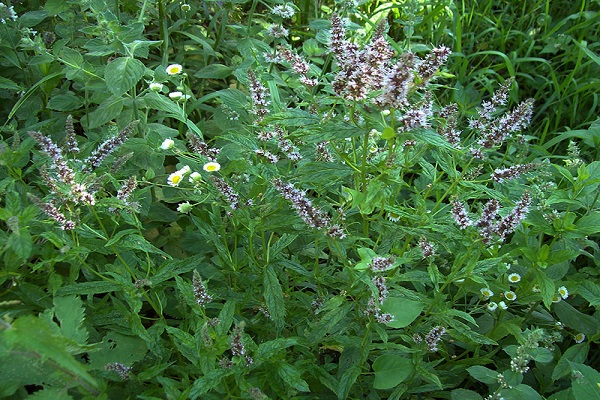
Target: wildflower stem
164,32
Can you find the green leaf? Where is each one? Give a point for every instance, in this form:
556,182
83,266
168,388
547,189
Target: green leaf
50,394
274,296
293,377
520,392
71,314
577,354
590,291
7,84
403,311
586,382
268,349
38,336
464,394
207,382
330,319
574,319
122,74
86,288
347,380
141,48
391,370
587,225
129,240
214,71
108,110
483,374
65,102
547,287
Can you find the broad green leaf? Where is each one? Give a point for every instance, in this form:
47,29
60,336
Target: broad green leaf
577,354
36,335
591,292
108,110
214,71
586,382
574,319
115,347
65,102
71,314
520,392
388,133
7,84
129,240
293,377
328,321
50,394
483,374
268,349
391,370
274,296
403,311
207,382
86,288
464,394
587,225
347,380
122,74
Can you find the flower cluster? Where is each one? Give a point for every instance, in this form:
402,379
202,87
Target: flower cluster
433,337
488,216
494,130
7,13
237,346
227,191
260,95
311,215
298,64
53,212
108,146
501,174
122,370
380,264
200,294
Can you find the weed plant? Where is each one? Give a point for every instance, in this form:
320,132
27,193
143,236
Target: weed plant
306,200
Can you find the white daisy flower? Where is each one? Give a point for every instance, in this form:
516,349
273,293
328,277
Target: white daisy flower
510,295
503,305
167,144
174,69
211,167
175,95
492,306
514,278
486,293
579,338
564,293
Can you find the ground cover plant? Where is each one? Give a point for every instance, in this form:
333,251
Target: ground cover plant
301,200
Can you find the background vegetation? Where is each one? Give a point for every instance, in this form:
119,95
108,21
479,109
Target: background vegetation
229,199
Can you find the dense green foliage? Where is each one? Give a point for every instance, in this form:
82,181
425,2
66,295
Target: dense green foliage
307,200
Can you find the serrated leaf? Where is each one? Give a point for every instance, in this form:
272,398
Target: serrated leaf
214,71
577,354
347,380
70,313
108,110
520,392
122,74
391,370
36,335
591,292
329,320
207,382
293,377
586,382
65,102
274,296
464,394
268,349
574,319
483,374
86,288
129,240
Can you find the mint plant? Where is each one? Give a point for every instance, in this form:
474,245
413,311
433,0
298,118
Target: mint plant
273,200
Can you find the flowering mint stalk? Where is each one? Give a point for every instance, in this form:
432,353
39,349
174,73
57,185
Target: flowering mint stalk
108,146
514,218
53,212
260,94
197,145
70,142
